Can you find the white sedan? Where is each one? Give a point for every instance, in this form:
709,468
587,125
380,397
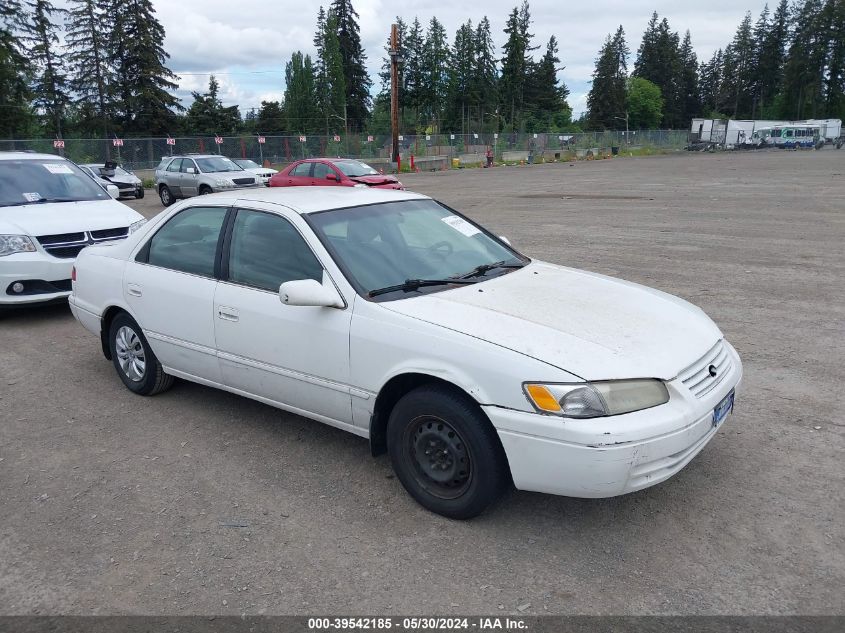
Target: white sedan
391,316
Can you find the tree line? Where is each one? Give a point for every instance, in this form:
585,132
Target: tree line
789,64
110,77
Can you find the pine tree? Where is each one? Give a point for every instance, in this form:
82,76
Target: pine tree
835,88
357,81
659,61
606,100
412,68
742,78
516,63
484,75
90,73
329,81
15,111
543,96
710,81
207,114
50,86
804,69
270,118
144,86
460,84
688,90
435,79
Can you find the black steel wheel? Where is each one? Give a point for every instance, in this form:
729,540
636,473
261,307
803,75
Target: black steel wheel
445,452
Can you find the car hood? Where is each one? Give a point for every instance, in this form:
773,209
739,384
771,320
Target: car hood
379,179
590,325
66,217
262,171
127,179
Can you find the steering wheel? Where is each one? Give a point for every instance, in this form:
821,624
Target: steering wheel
443,248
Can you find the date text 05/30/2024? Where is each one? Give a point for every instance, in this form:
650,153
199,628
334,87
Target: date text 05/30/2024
416,624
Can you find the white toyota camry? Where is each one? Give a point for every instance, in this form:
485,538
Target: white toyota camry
396,318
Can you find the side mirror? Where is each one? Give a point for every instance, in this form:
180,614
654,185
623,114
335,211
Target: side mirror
331,177
114,192
191,170
505,240
309,292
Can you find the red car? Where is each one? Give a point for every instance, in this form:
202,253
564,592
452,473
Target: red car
333,172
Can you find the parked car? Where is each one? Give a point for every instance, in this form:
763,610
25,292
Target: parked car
127,183
49,211
199,174
264,173
396,318
333,172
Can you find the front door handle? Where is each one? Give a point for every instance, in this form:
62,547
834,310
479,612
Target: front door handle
134,290
227,314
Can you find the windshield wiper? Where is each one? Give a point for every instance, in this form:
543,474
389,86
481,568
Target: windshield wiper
39,201
480,270
415,284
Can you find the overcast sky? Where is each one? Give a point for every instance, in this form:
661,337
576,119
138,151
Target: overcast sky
246,43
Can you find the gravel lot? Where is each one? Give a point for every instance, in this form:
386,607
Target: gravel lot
201,502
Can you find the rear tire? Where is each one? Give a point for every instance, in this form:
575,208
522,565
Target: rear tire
166,196
446,453
134,360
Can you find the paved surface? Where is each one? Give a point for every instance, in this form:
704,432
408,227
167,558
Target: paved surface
197,501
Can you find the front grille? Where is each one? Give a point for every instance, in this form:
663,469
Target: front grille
62,238
124,185
244,181
68,245
698,378
110,234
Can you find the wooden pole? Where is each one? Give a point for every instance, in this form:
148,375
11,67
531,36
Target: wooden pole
394,91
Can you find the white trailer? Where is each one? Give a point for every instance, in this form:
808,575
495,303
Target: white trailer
736,133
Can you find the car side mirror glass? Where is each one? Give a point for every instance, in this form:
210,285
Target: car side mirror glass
331,177
309,292
114,192
505,240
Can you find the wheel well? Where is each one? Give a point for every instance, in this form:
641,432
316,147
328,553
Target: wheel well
204,186
105,326
390,394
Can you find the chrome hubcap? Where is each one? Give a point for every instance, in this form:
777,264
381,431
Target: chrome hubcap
130,354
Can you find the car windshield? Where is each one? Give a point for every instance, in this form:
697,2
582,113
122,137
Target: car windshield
36,180
354,168
215,164
387,244
248,164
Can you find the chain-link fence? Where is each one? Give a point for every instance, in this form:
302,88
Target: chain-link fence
146,153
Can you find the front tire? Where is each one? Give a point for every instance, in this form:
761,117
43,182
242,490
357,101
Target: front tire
166,196
205,190
134,360
446,453
139,193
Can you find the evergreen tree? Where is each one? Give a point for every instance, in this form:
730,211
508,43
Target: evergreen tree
516,63
484,75
804,70
741,79
144,86
460,75
606,100
300,103
543,96
15,111
207,114
688,90
435,78
659,61
271,118
87,61
835,88
329,82
710,81
412,68
357,81
50,86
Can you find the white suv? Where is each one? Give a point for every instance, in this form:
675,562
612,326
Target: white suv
49,211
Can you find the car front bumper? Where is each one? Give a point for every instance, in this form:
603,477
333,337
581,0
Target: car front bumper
606,457
37,272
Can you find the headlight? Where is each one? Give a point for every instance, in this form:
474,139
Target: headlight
596,399
224,182
360,186
15,244
136,225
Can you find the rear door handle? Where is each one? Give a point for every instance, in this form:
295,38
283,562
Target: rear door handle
227,314
134,290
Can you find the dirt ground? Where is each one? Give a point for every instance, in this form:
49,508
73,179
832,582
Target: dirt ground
201,502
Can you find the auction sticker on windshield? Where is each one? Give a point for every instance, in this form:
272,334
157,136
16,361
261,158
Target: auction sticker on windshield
33,196
57,168
461,225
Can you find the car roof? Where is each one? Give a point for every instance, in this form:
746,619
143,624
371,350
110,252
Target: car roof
30,155
306,200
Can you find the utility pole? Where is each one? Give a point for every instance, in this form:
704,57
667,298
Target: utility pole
394,91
